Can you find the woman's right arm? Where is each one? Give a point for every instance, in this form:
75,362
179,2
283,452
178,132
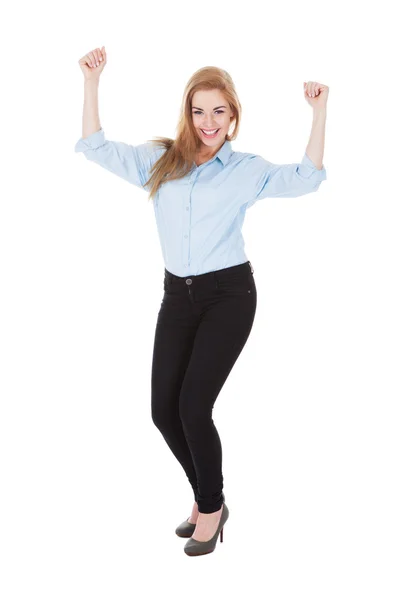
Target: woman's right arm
90,118
132,163
92,65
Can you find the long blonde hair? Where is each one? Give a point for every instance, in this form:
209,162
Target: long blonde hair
179,155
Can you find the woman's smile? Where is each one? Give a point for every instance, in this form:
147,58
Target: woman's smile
210,133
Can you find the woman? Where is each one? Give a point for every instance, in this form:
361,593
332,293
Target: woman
201,189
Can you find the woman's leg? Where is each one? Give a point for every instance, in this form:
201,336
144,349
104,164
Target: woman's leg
202,327
173,342
220,338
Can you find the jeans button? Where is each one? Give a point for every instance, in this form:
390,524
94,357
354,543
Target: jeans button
188,281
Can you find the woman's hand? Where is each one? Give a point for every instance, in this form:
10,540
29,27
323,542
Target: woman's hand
316,94
93,63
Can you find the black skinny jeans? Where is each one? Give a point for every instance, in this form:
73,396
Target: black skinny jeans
202,326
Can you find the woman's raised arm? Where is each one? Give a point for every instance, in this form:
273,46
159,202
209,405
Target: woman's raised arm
132,163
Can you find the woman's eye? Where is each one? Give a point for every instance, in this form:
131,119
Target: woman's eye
198,112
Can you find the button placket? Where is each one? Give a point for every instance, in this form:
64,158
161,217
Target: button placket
191,182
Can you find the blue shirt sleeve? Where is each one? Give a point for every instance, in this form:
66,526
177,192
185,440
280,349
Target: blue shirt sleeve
132,163
270,180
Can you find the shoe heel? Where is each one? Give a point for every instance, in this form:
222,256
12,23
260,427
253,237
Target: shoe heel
221,536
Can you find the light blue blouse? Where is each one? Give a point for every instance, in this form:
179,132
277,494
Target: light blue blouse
199,217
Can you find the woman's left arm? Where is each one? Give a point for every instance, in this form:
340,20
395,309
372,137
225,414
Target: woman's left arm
267,179
316,95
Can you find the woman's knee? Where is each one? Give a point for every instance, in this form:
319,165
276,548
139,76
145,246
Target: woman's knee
162,411
193,411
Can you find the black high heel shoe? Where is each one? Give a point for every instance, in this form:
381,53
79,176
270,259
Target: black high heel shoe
196,548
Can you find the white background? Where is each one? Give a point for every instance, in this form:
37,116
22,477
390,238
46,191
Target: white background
309,416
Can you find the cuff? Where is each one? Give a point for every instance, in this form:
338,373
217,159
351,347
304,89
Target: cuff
310,170
93,141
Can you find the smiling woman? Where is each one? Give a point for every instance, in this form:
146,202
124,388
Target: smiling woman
202,188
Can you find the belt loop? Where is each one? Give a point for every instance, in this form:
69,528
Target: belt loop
168,276
216,280
251,267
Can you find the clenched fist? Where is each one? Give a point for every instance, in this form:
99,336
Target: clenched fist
93,63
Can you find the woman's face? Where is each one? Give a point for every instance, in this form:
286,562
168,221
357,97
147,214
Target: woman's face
211,111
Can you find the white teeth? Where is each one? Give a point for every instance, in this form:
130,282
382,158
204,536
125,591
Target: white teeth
209,132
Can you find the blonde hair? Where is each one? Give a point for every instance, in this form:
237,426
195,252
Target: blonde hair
179,155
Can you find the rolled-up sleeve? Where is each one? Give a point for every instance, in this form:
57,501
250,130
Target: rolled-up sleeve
269,180
132,163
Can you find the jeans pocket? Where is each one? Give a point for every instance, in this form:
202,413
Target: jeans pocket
171,289
238,285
